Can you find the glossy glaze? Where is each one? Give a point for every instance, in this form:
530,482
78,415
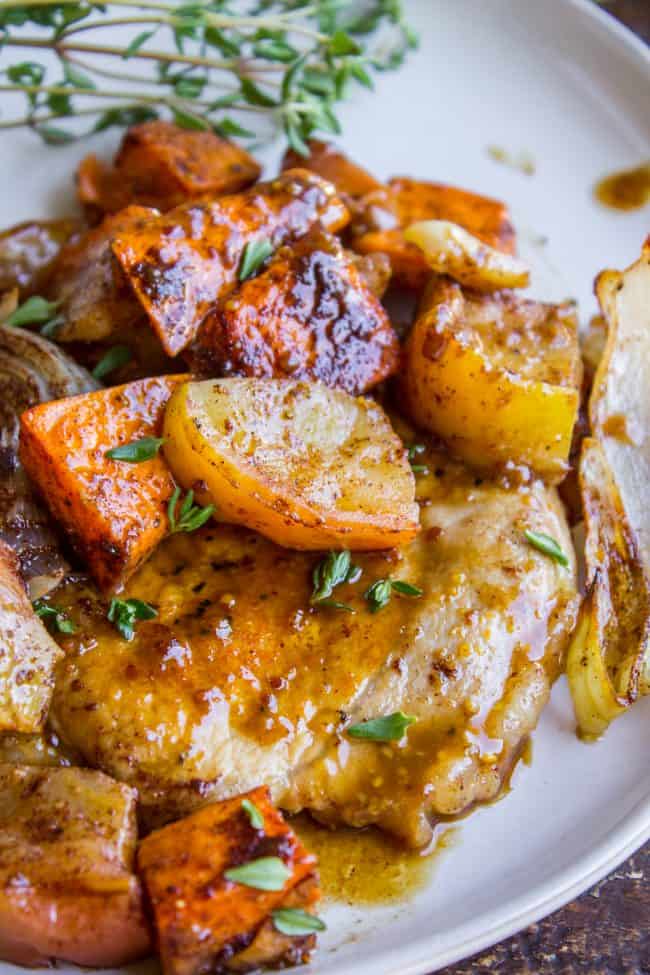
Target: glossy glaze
239,681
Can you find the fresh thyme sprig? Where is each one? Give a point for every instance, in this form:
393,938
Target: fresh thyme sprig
289,60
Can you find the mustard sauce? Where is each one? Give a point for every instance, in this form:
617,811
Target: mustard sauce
364,866
625,190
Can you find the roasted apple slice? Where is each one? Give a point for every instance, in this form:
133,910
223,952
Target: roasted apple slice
67,887
307,466
498,377
452,250
225,884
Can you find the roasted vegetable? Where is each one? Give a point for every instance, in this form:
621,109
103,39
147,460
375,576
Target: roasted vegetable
28,252
115,512
180,264
94,300
619,408
609,657
162,165
215,881
497,377
382,212
32,370
609,660
451,250
307,466
309,315
351,181
67,888
28,654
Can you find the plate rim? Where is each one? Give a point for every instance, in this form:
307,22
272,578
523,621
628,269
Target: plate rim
421,957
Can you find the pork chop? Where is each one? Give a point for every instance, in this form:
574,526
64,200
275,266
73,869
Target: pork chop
238,681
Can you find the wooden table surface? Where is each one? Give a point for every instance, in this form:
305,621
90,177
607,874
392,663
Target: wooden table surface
607,930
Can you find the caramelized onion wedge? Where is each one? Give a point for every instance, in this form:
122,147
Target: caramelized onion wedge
307,466
619,407
610,646
32,370
452,250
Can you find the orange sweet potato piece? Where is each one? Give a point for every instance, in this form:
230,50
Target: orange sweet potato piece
389,211
325,159
67,887
309,315
162,165
181,264
204,922
114,512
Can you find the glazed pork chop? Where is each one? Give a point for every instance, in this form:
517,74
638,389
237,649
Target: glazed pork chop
238,681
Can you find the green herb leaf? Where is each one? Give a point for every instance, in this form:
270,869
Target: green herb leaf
266,873
334,604
53,136
187,120
227,128
341,44
54,618
137,451
138,41
190,87
405,588
389,728
254,95
50,328
294,922
190,516
32,312
275,50
255,253
118,356
77,78
123,613
378,595
547,545
124,117
254,815
329,573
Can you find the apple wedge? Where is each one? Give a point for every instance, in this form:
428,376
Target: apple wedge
307,466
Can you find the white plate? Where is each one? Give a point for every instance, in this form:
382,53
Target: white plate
562,81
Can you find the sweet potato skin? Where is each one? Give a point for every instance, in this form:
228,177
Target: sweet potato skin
162,165
67,888
114,512
181,264
28,654
309,315
202,920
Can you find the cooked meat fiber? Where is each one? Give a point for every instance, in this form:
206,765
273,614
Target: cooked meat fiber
309,315
238,681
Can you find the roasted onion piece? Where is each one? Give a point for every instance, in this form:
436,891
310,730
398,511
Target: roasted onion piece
609,659
32,370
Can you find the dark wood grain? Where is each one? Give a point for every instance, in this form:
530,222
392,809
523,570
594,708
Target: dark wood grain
607,930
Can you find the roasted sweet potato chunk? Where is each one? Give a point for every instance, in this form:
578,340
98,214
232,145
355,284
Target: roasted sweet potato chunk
95,300
388,212
498,377
114,512
309,315
27,654
350,180
162,165
205,921
28,251
67,888
181,264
